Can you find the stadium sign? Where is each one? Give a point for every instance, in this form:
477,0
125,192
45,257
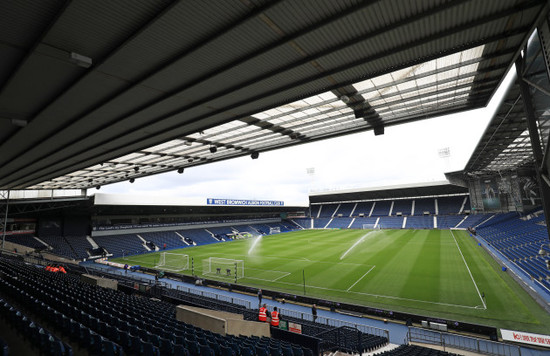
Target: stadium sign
526,338
244,202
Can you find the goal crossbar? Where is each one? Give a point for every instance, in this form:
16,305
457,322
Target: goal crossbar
173,261
223,267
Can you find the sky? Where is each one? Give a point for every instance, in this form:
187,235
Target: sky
407,153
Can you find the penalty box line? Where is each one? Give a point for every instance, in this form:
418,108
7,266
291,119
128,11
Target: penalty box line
357,281
373,295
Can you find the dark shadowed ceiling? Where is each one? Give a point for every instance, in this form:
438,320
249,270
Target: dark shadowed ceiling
174,84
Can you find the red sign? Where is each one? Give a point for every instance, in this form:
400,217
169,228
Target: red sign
295,328
526,338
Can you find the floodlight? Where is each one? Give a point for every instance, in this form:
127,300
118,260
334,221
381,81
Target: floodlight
213,149
136,168
19,122
345,99
80,60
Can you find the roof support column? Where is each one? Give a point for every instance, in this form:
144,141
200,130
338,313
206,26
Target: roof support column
5,195
540,168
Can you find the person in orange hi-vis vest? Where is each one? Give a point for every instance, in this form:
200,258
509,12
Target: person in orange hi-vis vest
275,317
262,316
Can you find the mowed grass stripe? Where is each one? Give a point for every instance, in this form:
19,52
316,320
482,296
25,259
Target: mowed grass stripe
416,271
423,280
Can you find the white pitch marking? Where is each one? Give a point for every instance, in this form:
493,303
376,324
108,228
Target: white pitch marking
347,290
468,268
369,294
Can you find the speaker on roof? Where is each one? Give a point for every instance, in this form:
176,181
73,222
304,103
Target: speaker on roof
378,130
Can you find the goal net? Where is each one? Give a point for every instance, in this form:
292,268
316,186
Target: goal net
223,267
173,261
274,230
371,226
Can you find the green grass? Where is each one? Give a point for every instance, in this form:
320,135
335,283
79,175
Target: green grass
435,273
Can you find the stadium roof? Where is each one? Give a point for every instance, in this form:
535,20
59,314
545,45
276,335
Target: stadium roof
98,92
389,192
505,144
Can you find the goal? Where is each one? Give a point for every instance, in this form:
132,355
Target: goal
223,267
274,230
371,226
173,261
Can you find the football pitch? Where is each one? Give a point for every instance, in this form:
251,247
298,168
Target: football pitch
438,273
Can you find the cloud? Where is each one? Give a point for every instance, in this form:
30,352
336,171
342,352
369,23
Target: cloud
406,153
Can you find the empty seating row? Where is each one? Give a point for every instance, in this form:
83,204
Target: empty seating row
413,350
118,245
25,240
95,316
398,207
39,337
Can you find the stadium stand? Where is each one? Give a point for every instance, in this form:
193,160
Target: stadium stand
519,240
474,220
164,237
119,245
402,206
340,223
450,205
220,230
303,222
448,221
79,245
381,208
245,228
391,222
4,347
345,209
363,208
25,240
60,246
315,210
261,228
198,236
424,205
359,222
107,321
414,350
321,223
328,210
420,222
43,340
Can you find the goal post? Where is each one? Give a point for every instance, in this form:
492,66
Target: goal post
371,226
223,267
274,230
173,261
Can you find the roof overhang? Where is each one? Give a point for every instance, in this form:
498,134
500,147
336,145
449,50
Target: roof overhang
90,97
428,189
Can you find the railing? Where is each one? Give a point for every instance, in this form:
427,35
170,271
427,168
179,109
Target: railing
466,343
336,322
342,339
221,297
